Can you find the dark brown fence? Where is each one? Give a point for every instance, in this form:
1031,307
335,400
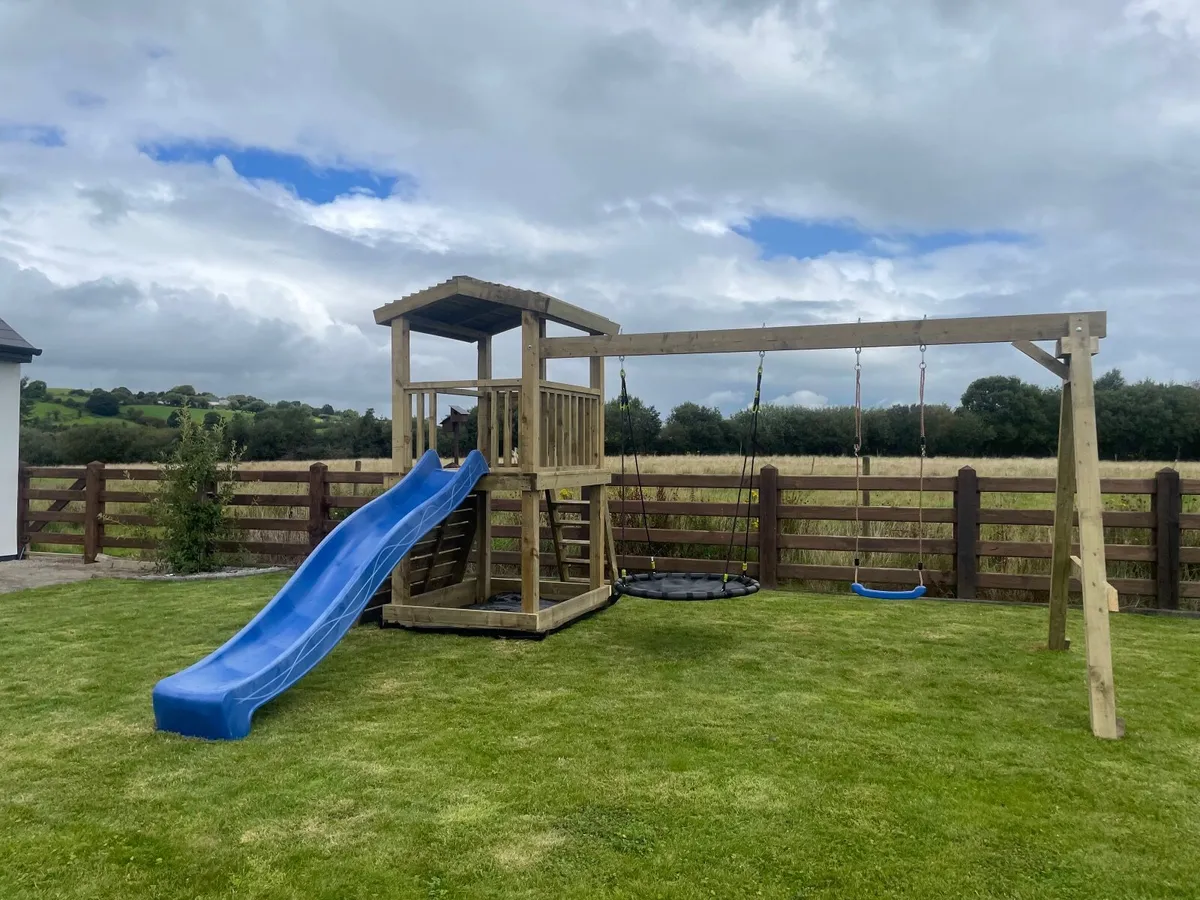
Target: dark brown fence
979,538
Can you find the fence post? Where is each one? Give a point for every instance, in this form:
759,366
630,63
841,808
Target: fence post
1167,504
318,483
22,510
966,533
768,527
93,509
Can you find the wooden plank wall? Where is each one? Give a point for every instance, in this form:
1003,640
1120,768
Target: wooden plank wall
283,514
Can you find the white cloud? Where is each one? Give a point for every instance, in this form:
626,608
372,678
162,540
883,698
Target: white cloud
602,153
722,399
802,397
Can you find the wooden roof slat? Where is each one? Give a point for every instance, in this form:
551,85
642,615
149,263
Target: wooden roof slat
463,305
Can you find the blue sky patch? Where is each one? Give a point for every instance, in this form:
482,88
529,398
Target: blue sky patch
41,135
812,238
309,181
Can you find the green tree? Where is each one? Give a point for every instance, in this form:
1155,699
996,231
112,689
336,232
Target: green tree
692,428
646,426
35,390
212,420
102,403
26,402
195,487
1020,418
184,390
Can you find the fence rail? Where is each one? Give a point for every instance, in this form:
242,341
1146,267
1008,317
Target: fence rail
795,524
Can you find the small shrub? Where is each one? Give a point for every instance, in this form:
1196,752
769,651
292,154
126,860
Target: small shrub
196,485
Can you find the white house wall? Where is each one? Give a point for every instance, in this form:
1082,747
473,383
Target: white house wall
10,428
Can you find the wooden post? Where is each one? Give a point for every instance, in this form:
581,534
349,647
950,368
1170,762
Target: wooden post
93,509
483,531
529,451
402,432
541,360
1167,503
768,528
530,439
483,408
402,456
419,430
596,527
357,468
22,510
610,544
966,533
531,552
1064,516
318,502
432,427
1097,639
596,381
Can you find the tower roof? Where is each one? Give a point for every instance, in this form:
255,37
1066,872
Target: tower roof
467,309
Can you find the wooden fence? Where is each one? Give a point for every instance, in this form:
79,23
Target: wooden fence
1154,553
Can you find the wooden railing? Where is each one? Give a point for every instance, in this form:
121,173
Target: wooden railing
570,426
802,528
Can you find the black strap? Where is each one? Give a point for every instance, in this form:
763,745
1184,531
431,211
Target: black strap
751,458
627,423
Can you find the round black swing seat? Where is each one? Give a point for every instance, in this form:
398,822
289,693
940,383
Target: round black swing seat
684,586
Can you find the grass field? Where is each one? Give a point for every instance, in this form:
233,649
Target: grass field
55,411
784,746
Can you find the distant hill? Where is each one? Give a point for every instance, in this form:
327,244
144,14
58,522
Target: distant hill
72,425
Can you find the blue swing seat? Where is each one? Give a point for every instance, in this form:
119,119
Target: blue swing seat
918,591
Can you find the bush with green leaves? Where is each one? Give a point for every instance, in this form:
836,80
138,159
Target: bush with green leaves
190,505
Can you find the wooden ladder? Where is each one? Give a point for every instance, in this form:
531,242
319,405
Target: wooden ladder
565,561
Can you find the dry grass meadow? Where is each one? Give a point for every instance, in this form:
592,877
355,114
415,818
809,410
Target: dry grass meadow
787,465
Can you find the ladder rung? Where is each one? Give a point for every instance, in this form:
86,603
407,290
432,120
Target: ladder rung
575,542
571,502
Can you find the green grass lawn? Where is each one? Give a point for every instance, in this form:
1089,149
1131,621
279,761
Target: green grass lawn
781,746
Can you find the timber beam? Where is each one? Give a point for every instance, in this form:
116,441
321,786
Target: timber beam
1044,358
907,333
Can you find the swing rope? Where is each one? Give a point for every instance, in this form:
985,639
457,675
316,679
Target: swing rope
627,427
751,457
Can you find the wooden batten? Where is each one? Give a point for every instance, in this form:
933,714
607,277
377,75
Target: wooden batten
561,613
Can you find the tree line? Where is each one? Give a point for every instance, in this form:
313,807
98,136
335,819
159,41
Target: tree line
997,416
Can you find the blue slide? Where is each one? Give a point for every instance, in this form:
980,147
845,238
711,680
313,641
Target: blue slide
216,697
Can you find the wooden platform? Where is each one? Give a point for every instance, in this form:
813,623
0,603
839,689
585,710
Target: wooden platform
449,608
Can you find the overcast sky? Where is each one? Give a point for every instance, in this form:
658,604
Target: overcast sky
220,193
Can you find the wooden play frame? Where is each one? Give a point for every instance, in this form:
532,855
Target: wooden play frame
561,431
